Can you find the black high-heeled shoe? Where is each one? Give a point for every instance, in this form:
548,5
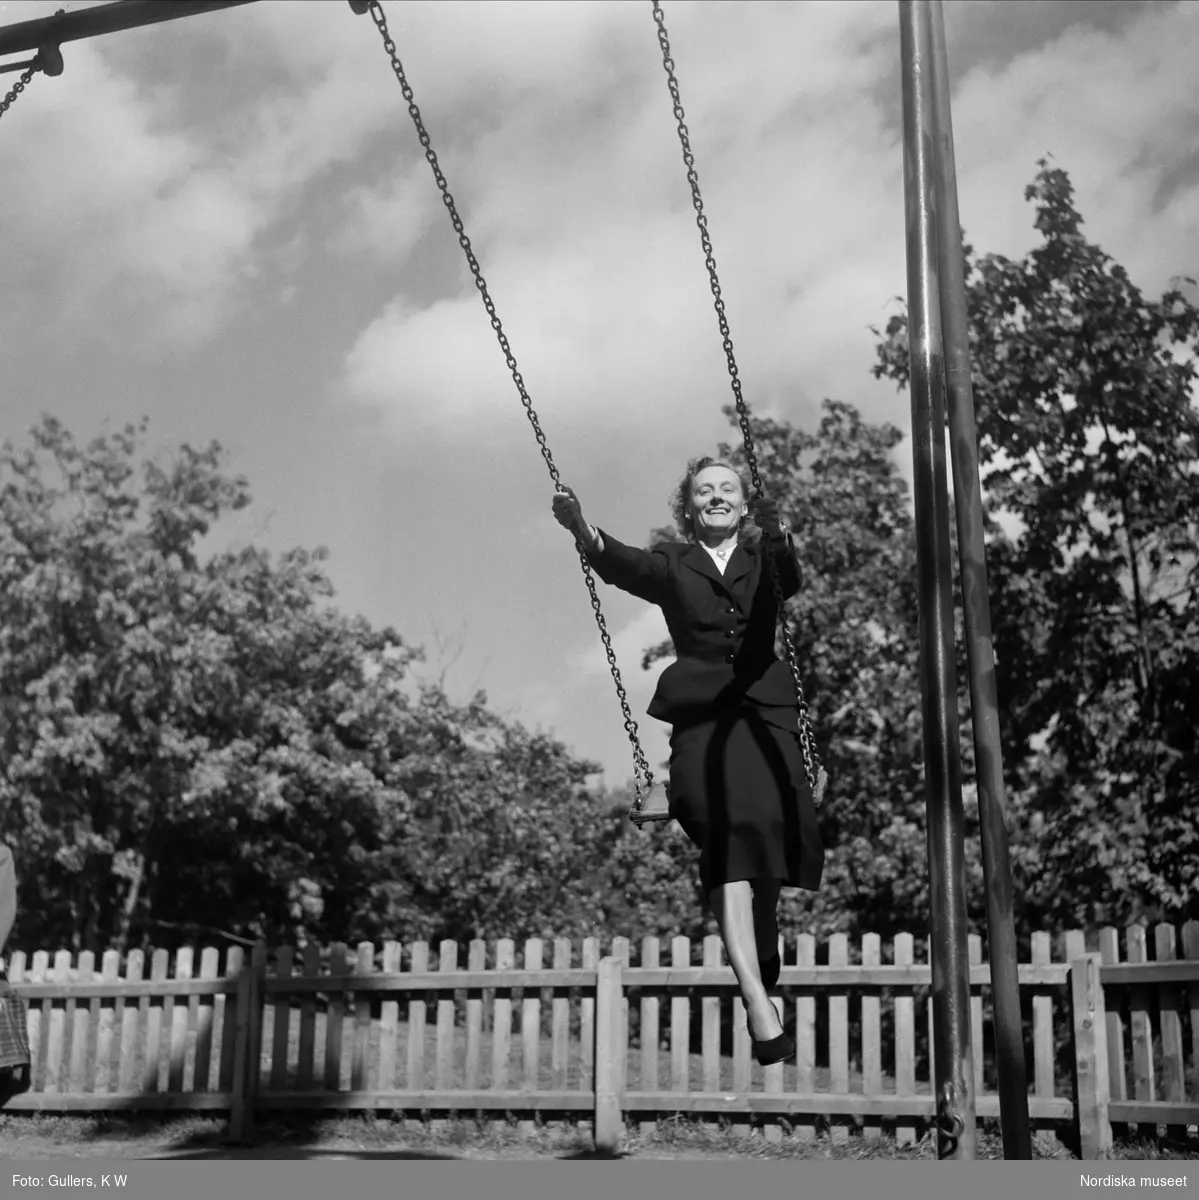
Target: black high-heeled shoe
776,1050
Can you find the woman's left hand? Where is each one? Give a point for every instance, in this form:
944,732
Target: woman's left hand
766,515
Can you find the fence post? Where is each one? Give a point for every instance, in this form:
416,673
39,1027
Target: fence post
1092,1084
609,1053
245,1063
258,960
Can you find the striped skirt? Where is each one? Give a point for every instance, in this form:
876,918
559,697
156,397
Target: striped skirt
14,1028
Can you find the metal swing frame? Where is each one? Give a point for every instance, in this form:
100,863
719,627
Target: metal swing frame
940,384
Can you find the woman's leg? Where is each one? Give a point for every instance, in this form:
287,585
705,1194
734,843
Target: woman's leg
733,907
765,909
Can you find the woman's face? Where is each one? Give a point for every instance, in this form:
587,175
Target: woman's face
717,502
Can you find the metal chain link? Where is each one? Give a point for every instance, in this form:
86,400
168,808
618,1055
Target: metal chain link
17,88
640,764
817,776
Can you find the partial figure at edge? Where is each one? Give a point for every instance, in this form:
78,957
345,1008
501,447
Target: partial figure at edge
14,1020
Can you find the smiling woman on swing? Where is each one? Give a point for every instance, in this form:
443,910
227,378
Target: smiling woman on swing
738,786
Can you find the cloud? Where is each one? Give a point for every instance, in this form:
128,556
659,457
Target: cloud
104,217
593,254
141,185
382,224
581,703
592,344
629,642
1117,112
179,150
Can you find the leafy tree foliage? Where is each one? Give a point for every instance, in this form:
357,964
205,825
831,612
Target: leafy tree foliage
197,745
1089,440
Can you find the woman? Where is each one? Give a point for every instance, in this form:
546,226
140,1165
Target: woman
14,1030
737,781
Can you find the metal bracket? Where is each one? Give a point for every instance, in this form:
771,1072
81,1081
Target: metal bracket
950,1125
48,60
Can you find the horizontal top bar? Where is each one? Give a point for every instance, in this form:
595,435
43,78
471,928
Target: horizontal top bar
647,977
917,975
104,18
1179,971
429,981
88,989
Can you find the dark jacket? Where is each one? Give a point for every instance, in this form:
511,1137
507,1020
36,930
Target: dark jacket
722,627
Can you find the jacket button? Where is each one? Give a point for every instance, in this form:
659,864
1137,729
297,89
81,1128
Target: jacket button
728,633
730,609
729,657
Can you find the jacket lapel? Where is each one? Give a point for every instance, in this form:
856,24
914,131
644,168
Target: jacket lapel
699,560
740,564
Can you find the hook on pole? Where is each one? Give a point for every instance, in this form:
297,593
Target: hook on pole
950,1125
48,60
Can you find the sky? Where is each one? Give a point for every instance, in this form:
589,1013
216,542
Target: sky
226,224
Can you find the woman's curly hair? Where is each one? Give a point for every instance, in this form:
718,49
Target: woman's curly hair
681,495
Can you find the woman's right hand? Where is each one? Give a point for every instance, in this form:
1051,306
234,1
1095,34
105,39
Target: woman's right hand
568,512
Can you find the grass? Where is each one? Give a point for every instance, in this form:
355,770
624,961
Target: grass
206,1137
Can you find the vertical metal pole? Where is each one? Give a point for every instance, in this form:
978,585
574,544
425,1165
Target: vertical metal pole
972,561
938,684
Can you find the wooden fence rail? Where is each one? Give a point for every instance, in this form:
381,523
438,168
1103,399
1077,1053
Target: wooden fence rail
602,1035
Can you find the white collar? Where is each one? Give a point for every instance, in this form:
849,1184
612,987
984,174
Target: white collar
721,561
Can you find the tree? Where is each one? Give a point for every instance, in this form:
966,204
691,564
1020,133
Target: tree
503,837
196,745
1089,439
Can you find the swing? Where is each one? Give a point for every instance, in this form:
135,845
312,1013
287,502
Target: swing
650,802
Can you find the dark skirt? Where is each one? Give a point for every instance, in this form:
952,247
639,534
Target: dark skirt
739,790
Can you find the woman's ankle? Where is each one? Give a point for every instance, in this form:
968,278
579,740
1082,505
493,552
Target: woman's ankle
767,1025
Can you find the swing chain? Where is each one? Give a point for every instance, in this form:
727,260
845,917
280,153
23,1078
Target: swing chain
643,777
18,87
817,777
